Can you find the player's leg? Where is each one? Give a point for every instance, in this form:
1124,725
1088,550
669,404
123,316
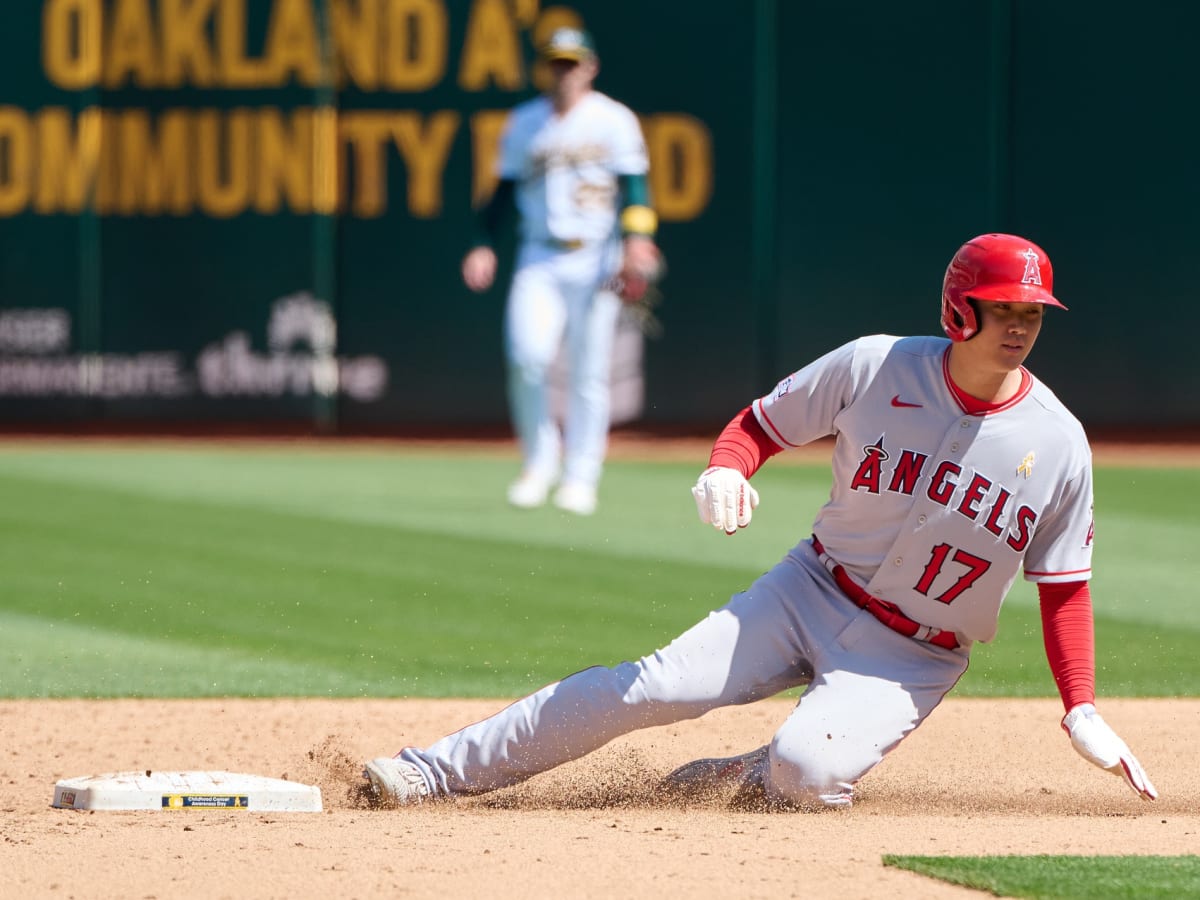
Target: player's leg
743,652
585,431
590,331
535,318
871,689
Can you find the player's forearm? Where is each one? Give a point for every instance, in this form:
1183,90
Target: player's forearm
494,216
638,218
743,445
1069,637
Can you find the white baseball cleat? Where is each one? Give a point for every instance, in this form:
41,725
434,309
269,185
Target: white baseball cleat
529,491
703,776
396,783
576,498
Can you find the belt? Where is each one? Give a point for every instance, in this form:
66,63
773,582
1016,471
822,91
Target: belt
557,244
887,613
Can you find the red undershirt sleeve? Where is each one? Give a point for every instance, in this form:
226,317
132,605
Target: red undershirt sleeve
743,445
1069,635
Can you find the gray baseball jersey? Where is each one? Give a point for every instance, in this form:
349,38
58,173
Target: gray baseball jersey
933,508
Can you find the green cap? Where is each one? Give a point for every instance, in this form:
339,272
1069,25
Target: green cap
569,43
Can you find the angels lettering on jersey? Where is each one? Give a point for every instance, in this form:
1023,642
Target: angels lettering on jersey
985,501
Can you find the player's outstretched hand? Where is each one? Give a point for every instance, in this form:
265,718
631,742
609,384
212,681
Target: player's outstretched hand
1096,742
724,498
479,268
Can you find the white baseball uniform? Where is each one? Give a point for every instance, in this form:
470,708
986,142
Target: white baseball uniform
933,510
566,169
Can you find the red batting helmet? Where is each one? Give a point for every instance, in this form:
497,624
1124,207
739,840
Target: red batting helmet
996,267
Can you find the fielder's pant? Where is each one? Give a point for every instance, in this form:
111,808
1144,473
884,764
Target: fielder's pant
868,687
554,303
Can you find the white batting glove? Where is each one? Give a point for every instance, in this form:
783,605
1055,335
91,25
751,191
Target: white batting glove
1096,742
724,498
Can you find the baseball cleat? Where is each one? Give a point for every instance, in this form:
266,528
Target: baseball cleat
529,491
705,776
576,498
395,783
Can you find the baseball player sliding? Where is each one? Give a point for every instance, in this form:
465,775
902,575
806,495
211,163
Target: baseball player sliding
573,165
953,469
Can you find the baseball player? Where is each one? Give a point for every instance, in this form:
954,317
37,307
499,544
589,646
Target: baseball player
954,468
573,167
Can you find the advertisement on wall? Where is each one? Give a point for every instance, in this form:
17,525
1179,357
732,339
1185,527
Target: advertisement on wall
299,359
182,183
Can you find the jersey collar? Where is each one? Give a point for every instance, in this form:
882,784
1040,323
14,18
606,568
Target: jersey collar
973,406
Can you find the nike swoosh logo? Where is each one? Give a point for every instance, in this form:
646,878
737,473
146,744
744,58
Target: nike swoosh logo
897,402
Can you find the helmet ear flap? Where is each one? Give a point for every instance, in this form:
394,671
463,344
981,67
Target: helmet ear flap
960,315
969,318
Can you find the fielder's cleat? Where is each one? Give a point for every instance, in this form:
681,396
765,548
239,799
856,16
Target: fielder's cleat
708,776
529,491
395,783
576,498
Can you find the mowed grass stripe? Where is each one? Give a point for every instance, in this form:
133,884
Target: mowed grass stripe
387,606
58,658
325,558
1146,525
1132,660
646,508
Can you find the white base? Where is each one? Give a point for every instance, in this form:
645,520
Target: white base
186,790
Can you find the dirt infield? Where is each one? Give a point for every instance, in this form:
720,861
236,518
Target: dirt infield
980,777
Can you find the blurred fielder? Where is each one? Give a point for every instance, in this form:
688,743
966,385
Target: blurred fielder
573,168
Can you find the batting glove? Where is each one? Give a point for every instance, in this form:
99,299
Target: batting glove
1098,744
724,498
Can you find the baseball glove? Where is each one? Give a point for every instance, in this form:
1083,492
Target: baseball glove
637,285
637,277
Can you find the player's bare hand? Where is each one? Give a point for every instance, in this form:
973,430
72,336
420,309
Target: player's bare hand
640,252
724,498
479,269
641,266
1096,742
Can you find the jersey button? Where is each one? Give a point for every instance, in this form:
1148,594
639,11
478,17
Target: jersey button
954,448
966,423
921,520
898,561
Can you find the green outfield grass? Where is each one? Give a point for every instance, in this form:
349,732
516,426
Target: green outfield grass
1065,877
203,570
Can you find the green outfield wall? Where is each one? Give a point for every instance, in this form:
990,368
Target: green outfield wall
253,211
